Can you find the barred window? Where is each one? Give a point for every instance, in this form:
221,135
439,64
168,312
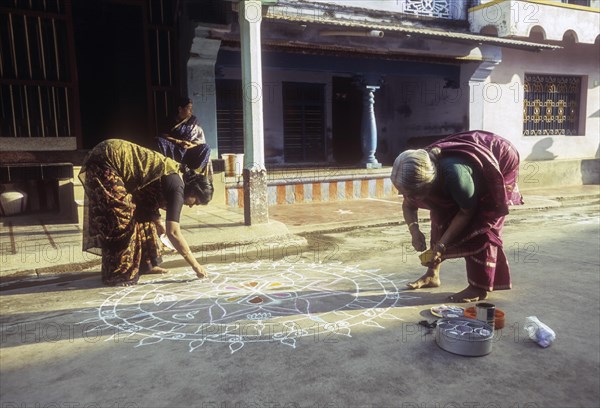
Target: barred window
37,90
551,105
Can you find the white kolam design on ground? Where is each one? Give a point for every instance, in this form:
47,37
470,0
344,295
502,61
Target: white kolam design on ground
243,303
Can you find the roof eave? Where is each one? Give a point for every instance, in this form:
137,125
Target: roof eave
428,33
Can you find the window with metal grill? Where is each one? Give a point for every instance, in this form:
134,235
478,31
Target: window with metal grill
551,105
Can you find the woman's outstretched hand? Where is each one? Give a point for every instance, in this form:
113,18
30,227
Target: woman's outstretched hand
200,271
178,241
418,240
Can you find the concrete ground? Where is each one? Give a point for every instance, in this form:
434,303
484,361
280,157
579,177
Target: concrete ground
33,246
320,318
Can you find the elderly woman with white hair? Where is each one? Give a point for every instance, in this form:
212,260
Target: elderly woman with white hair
467,181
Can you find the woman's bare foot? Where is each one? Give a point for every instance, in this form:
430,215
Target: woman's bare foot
470,294
157,270
426,281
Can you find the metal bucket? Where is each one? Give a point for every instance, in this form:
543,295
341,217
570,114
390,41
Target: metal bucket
463,336
234,164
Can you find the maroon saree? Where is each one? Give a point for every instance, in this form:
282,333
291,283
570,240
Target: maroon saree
497,160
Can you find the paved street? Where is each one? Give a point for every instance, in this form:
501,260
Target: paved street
330,325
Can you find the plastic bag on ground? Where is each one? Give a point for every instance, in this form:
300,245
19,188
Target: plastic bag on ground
539,332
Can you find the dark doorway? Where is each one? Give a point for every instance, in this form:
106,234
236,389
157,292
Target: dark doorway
346,121
304,122
111,65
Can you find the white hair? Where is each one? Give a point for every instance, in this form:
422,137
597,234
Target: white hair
413,170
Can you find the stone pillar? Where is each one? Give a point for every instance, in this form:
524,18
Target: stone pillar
369,126
201,86
478,81
256,210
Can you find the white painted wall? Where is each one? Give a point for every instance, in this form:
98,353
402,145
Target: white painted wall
503,111
457,7
518,18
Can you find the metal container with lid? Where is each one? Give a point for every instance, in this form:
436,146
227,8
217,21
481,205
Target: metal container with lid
467,337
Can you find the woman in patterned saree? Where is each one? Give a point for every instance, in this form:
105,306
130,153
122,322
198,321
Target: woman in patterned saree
125,185
467,181
184,141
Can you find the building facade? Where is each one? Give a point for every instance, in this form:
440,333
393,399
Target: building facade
547,103
346,85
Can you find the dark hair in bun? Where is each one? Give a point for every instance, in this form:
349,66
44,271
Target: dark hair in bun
197,185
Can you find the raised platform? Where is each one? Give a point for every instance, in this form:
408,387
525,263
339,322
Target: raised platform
316,184
313,184
310,185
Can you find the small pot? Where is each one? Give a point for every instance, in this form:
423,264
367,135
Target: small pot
463,336
499,316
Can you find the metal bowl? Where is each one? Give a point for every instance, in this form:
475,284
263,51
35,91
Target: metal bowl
463,336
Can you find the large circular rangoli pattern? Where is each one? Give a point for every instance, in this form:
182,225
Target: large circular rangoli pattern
243,303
